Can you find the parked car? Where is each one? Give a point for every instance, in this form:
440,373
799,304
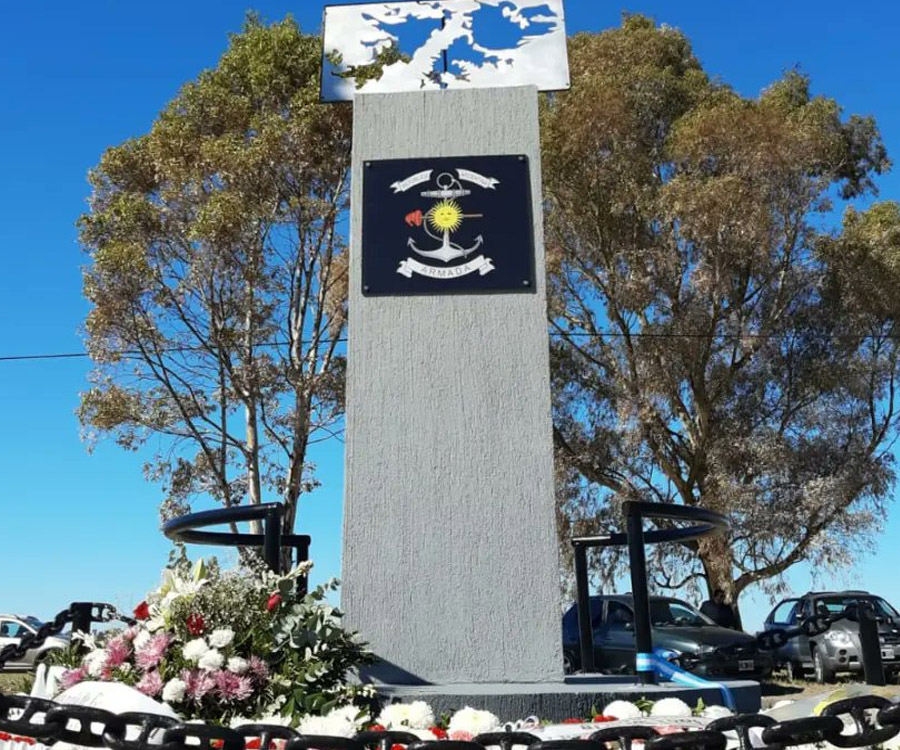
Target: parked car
675,625
14,627
838,649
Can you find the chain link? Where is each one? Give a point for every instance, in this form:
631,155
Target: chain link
15,651
871,719
99,613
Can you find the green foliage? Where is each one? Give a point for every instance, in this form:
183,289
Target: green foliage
714,346
217,277
292,653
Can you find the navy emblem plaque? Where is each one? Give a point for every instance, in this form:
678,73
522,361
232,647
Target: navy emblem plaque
447,225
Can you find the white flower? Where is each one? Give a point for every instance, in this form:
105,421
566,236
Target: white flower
155,624
316,725
221,638
94,662
474,721
622,710
716,712
211,660
173,692
238,665
141,639
415,715
193,650
351,714
278,720
125,667
341,722
671,707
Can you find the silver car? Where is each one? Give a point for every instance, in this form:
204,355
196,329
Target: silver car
14,627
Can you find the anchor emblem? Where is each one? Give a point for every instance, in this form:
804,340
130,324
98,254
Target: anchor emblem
441,221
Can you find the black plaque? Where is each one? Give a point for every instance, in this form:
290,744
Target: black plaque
447,226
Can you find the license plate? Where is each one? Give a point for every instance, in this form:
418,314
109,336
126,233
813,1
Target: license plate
745,665
887,652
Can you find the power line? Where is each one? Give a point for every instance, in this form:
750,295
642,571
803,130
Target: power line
25,357
131,354
559,334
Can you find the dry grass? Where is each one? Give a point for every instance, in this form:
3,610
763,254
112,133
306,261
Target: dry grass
16,682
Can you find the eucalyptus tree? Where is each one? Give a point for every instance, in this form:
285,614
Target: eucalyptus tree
718,342
217,278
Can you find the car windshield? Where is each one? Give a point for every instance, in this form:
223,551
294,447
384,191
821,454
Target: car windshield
672,613
32,622
835,605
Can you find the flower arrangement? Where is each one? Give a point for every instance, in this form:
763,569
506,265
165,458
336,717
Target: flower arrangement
223,646
418,718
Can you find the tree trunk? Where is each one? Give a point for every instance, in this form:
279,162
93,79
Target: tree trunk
715,556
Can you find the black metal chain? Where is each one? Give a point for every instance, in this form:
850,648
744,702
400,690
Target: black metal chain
769,640
15,651
92,612
872,721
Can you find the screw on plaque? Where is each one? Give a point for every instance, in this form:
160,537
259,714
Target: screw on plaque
526,283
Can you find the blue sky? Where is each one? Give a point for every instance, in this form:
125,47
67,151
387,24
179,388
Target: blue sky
78,77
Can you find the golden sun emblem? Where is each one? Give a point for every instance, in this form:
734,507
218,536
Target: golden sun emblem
446,216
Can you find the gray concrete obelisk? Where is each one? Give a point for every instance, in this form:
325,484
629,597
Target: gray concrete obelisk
449,548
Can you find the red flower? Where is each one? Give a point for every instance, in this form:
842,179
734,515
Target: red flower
142,611
573,721
441,734
195,624
273,602
600,719
377,728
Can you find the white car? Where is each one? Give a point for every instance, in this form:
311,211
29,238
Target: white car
14,627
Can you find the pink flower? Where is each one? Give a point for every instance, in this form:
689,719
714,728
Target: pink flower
273,602
131,633
72,677
151,684
117,652
232,687
198,683
151,654
259,670
461,735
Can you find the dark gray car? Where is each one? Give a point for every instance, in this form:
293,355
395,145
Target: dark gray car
676,626
837,651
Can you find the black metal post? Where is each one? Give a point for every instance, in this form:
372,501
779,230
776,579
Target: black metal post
272,539
870,644
583,595
303,556
82,616
634,527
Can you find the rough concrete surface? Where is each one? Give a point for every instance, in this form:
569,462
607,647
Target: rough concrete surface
449,546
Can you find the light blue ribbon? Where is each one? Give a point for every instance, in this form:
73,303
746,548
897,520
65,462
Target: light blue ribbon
659,663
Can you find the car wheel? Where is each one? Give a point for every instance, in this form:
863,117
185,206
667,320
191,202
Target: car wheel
824,674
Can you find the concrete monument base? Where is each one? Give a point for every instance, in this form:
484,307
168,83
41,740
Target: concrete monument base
556,701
